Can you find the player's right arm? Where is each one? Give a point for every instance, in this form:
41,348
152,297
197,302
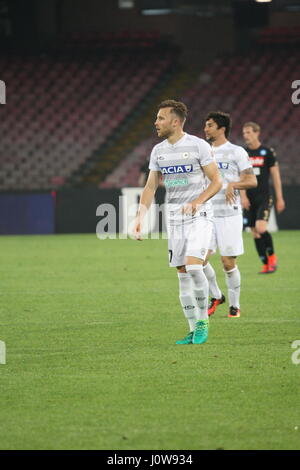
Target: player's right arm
146,201
211,171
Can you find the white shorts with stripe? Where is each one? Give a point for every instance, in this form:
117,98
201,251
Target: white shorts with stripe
227,235
190,239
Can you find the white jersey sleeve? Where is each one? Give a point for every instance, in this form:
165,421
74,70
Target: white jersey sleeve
206,153
231,160
242,159
153,164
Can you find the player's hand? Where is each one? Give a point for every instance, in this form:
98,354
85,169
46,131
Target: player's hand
137,230
230,194
191,208
280,205
245,203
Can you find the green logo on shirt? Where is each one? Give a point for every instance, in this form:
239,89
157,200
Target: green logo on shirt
170,183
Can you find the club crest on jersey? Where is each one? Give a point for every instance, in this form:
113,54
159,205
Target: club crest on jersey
223,165
186,155
176,169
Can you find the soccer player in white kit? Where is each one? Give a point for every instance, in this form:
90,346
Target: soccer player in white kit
237,173
191,178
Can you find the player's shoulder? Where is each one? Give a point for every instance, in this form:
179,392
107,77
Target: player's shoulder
237,150
267,151
195,140
234,147
158,147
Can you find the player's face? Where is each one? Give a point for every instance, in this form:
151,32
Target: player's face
211,130
250,136
164,123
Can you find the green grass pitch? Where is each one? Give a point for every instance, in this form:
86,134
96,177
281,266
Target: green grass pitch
91,363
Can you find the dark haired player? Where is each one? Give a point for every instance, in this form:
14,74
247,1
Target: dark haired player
237,172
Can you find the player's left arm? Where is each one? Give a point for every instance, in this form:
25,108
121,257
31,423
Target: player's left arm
276,179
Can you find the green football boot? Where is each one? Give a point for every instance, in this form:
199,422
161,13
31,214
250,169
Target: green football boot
201,332
187,340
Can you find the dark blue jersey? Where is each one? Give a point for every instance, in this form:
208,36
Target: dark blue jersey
262,159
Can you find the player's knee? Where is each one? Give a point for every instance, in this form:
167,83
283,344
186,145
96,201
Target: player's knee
228,266
261,228
228,263
181,269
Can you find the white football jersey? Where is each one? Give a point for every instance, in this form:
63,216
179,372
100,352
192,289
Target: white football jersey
231,160
181,167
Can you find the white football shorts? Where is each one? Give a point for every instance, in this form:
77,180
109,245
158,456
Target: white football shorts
191,239
227,235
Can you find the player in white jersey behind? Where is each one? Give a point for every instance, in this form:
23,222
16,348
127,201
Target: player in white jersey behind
191,178
237,172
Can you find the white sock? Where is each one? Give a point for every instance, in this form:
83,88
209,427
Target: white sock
233,282
187,299
200,289
210,274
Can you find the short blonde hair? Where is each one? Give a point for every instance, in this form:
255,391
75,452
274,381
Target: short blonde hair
254,125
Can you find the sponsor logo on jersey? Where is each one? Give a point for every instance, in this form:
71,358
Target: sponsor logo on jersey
223,165
174,170
257,161
172,183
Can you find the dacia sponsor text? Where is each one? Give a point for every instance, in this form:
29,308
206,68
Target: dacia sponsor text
176,169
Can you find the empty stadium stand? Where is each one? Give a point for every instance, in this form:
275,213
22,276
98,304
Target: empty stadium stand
60,110
256,87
